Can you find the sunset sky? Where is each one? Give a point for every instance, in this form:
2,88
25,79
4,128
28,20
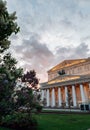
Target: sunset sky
50,32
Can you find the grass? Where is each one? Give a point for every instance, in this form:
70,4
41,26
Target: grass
63,122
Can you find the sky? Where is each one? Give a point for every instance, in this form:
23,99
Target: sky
51,31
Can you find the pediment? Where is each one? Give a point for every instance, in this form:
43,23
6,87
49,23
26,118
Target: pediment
66,63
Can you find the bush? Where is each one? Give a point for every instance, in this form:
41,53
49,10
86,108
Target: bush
19,121
39,108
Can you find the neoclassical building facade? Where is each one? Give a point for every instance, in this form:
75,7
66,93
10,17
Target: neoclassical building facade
69,79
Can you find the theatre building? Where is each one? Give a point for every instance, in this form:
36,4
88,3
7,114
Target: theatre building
69,80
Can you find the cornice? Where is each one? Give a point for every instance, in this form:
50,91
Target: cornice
66,83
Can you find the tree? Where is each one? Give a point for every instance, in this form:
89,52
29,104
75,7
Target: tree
8,71
31,78
8,26
9,74
69,99
28,96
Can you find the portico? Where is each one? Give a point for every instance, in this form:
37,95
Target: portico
56,90
58,95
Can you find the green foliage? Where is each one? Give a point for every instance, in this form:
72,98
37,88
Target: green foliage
39,107
8,75
2,128
8,68
38,102
28,96
19,121
31,78
8,71
69,99
25,99
44,102
7,26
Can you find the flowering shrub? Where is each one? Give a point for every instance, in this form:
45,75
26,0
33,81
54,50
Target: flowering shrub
19,121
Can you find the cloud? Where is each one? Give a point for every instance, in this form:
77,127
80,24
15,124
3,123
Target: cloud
32,54
85,38
51,31
14,37
71,52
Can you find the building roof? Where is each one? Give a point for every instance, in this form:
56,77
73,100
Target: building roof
67,63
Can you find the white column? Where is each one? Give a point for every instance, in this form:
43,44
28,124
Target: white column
74,96
89,86
42,94
82,93
89,95
53,97
66,96
47,97
59,96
